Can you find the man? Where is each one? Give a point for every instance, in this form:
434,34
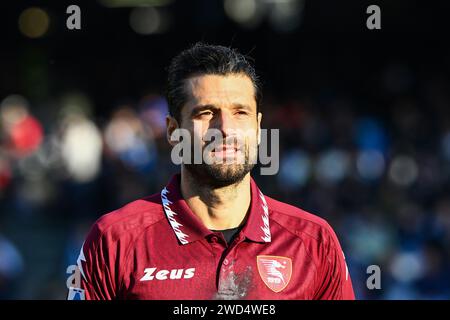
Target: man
211,233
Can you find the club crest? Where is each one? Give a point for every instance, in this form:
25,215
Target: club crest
275,271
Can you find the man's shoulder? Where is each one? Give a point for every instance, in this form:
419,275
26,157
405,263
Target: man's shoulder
299,222
130,218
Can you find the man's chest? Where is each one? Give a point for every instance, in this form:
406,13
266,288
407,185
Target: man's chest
210,270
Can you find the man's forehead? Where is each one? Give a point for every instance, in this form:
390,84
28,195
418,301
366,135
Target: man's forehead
218,89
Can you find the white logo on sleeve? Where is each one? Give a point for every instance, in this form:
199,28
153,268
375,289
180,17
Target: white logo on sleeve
346,268
174,274
81,257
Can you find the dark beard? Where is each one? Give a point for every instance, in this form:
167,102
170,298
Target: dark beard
219,175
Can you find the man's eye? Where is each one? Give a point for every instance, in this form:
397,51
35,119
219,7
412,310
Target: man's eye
241,113
206,113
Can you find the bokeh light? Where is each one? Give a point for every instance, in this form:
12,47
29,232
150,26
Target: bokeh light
285,16
81,148
332,166
403,170
407,266
149,20
247,13
34,22
370,164
295,169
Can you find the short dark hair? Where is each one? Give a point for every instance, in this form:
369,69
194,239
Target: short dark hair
202,59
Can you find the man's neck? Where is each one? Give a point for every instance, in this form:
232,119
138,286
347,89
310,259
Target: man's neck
218,208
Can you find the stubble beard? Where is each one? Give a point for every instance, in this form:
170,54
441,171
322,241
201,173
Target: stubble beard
219,175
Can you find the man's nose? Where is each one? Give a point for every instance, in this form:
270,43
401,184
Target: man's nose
225,124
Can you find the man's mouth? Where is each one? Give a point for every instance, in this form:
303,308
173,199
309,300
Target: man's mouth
225,151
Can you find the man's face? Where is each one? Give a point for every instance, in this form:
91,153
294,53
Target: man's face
226,104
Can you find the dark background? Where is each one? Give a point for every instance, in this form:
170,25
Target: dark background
364,118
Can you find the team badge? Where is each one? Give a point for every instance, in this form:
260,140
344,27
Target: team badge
275,271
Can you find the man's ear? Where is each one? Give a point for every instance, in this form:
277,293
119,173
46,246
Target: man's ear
171,124
259,127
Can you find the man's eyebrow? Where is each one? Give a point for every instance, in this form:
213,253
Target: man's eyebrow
241,106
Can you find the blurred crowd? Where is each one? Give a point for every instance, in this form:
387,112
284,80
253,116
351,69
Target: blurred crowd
380,178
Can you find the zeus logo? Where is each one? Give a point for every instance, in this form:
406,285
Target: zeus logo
167,274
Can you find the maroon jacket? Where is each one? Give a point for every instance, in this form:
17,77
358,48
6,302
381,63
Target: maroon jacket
157,248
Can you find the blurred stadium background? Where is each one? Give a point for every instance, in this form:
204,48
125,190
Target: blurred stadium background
364,118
